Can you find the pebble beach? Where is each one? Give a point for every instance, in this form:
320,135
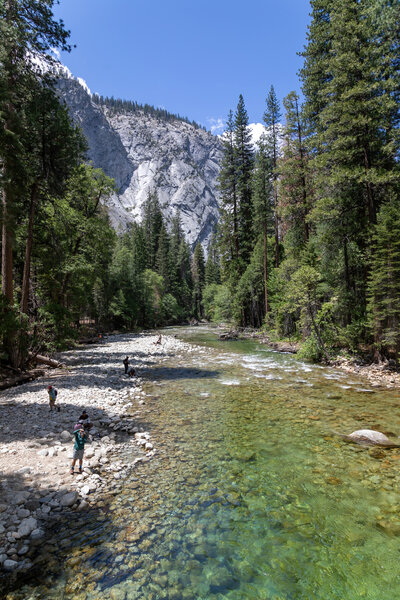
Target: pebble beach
36,443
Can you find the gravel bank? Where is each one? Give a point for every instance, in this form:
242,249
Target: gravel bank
36,444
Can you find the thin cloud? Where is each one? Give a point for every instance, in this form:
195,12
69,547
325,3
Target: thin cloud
56,53
216,126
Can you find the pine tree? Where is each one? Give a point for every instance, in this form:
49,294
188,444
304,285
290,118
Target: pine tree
176,239
162,258
263,206
186,281
384,282
243,149
25,28
212,272
352,105
228,226
198,280
54,147
295,193
271,119
152,224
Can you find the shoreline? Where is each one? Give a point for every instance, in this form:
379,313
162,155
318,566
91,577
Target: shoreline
377,374
37,489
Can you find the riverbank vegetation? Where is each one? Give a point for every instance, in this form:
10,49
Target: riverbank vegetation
309,232
62,262
307,245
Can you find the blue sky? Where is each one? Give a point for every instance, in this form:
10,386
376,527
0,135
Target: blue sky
192,58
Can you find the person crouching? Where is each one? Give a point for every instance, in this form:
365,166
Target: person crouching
79,448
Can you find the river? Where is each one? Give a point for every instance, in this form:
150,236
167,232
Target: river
249,496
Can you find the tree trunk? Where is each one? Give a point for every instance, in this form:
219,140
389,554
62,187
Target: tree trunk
6,256
276,226
44,360
28,250
266,270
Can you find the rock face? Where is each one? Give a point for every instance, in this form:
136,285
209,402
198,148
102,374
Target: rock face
143,154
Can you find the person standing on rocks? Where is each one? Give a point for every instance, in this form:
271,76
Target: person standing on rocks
79,448
85,421
52,397
126,364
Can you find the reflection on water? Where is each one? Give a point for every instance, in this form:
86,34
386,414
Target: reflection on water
250,496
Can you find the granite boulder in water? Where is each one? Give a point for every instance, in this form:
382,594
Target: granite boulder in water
371,438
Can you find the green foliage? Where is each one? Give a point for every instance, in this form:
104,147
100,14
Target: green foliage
329,193
218,303
249,297
130,106
170,309
198,269
384,281
310,350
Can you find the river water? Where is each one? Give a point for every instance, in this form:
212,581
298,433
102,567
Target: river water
249,496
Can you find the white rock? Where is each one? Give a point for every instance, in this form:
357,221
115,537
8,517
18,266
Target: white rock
24,471
43,452
89,453
66,436
369,435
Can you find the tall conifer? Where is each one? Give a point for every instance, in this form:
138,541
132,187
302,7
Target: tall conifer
272,115
244,152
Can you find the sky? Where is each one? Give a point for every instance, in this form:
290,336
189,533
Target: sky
190,57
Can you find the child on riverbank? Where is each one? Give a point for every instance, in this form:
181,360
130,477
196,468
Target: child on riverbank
79,448
52,398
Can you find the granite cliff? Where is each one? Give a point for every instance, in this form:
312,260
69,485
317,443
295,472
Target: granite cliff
144,153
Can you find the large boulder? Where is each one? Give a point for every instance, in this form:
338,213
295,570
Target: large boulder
369,437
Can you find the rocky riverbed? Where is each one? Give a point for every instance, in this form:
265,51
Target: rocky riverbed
36,444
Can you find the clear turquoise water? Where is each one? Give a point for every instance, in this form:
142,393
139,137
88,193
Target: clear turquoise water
249,496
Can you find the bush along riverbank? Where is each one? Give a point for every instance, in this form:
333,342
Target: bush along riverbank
37,490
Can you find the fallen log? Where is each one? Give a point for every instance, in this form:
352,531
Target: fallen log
229,335
44,360
24,378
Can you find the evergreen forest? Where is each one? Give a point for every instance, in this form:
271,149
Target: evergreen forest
308,239
308,243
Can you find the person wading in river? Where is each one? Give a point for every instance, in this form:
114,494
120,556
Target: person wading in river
126,363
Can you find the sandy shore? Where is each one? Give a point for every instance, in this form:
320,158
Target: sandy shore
36,444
